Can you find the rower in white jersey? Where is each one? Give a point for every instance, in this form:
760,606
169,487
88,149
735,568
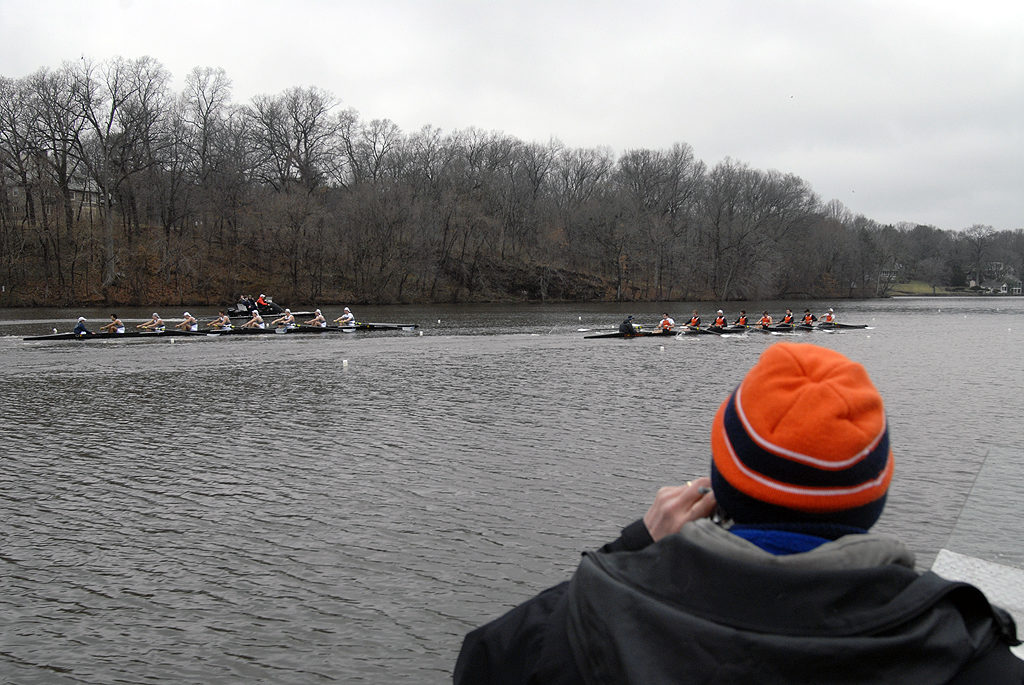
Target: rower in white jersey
154,324
256,321
222,322
319,321
188,323
115,325
346,319
288,320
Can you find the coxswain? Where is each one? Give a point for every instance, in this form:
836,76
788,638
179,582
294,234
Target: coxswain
222,322
808,318
115,325
830,316
256,321
788,318
766,320
694,321
719,321
346,319
626,327
667,323
80,328
188,323
154,324
288,320
741,320
317,321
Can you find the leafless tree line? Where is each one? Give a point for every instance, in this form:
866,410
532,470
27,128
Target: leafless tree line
114,188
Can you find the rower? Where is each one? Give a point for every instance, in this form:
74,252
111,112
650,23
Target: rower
626,327
346,319
80,328
667,323
788,318
262,300
256,321
741,320
719,321
222,322
809,318
318,320
115,325
188,323
694,321
288,320
830,316
154,324
766,320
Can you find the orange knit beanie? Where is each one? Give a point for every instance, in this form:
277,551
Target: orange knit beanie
803,438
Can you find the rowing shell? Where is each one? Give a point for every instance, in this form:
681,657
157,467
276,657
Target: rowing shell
385,326
825,326
302,328
238,330
637,334
116,336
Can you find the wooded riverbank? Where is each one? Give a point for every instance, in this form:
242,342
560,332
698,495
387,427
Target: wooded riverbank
116,190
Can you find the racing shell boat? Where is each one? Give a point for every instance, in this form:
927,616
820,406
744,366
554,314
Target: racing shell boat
280,330
117,336
835,326
638,333
303,328
711,330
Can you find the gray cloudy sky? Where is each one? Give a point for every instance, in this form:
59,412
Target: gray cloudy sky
903,110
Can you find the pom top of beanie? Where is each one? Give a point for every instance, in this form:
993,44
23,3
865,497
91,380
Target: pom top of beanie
811,404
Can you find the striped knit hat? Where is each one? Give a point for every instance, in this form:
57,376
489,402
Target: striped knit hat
802,439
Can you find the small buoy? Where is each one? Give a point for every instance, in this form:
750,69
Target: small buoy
421,333
54,330
661,348
344,363
581,318
439,320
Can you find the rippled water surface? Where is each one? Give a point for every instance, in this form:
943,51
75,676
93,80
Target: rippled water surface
344,508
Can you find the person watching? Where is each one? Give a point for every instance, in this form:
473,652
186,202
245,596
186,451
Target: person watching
764,571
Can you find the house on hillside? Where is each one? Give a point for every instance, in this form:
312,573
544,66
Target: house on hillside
1011,286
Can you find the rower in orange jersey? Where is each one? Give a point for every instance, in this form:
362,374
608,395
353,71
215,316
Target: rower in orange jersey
667,323
694,321
788,318
830,316
741,320
766,320
808,318
719,321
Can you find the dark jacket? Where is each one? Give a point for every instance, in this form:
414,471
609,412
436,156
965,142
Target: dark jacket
706,606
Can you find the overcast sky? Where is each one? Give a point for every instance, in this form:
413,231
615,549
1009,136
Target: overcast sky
903,110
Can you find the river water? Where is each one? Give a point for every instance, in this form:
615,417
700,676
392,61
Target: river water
303,509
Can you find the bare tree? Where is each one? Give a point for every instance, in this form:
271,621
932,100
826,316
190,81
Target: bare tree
122,102
296,137
977,239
